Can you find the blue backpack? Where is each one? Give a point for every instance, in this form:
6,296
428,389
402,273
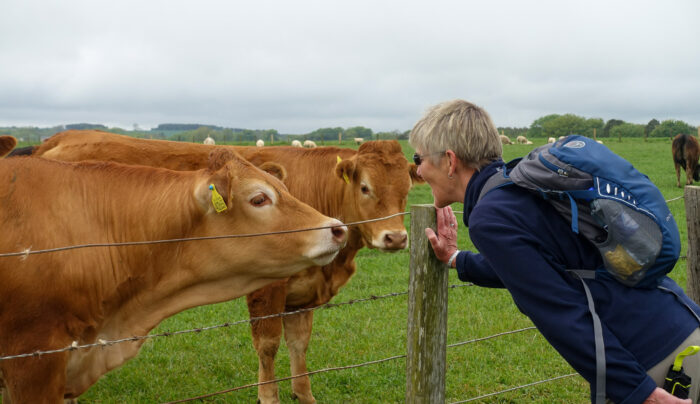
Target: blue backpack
605,199
612,205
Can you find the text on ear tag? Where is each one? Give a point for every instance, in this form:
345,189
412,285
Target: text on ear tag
345,175
217,200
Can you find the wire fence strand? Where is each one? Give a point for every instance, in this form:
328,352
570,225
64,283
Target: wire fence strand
28,251
515,388
357,365
25,253
103,343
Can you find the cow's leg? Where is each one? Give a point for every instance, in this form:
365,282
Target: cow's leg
678,174
6,397
689,173
35,380
266,335
297,333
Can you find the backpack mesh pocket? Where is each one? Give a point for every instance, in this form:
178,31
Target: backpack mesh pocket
633,242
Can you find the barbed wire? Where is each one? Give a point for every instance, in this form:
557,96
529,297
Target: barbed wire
102,343
491,336
29,251
515,388
675,199
311,373
357,365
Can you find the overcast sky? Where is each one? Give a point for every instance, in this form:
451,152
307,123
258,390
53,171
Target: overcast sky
299,65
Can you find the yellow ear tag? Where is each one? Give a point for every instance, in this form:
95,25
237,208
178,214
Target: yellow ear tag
217,200
345,175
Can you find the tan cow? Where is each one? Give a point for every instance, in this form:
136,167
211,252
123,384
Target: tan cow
369,183
53,300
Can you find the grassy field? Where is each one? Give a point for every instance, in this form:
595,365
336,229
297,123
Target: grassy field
190,365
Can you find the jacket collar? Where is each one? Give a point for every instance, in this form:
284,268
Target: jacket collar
476,183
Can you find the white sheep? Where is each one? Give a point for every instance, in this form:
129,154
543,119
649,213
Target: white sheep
523,140
260,143
309,143
296,143
505,139
551,140
359,140
209,140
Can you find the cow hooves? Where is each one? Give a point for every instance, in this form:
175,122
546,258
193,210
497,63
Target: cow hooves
303,400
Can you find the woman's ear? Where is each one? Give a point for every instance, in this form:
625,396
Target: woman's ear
451,163
345,169
413,172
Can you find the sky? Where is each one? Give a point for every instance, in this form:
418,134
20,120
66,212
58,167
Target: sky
296,66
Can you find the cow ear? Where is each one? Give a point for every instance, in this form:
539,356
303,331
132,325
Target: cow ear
345,169
415,178
274,169
218,158
215,196
7,143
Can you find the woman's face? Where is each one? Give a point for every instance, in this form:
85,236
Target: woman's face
436,177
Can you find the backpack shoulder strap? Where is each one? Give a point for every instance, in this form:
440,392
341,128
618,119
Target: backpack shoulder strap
499,179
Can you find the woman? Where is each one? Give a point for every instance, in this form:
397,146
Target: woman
526,247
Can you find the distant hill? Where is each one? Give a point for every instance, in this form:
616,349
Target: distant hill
182,127
83,126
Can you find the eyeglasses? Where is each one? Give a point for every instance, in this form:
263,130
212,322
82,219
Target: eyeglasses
418,159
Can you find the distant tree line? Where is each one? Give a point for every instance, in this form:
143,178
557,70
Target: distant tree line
556,125
553,125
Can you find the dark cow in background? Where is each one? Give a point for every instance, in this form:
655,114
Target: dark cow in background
686,152
351,185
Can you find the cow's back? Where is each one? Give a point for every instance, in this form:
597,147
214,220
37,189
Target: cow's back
80,145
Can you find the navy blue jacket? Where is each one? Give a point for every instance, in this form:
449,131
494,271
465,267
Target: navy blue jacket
526,246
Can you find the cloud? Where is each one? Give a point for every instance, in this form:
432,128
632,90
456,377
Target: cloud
297,66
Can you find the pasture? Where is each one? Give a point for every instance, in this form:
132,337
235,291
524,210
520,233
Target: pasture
184,366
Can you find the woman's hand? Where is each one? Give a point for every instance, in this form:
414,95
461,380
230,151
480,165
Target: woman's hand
660,395
445,241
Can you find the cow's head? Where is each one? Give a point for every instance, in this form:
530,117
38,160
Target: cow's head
239,198
7,143
376,181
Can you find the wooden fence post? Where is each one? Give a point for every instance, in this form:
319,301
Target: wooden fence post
427,314
692,215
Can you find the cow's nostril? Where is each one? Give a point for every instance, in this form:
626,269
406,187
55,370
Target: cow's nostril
339,234
394,240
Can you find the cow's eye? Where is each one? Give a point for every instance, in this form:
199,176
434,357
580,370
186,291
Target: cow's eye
365,189
260,200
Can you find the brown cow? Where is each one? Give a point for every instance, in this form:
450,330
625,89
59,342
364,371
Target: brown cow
53,300
686,152
369,183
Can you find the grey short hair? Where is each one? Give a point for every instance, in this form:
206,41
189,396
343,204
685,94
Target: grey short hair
462,127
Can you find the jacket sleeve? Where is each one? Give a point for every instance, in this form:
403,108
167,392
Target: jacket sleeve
472,267
552,299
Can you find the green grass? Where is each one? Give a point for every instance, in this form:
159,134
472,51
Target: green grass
190,365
